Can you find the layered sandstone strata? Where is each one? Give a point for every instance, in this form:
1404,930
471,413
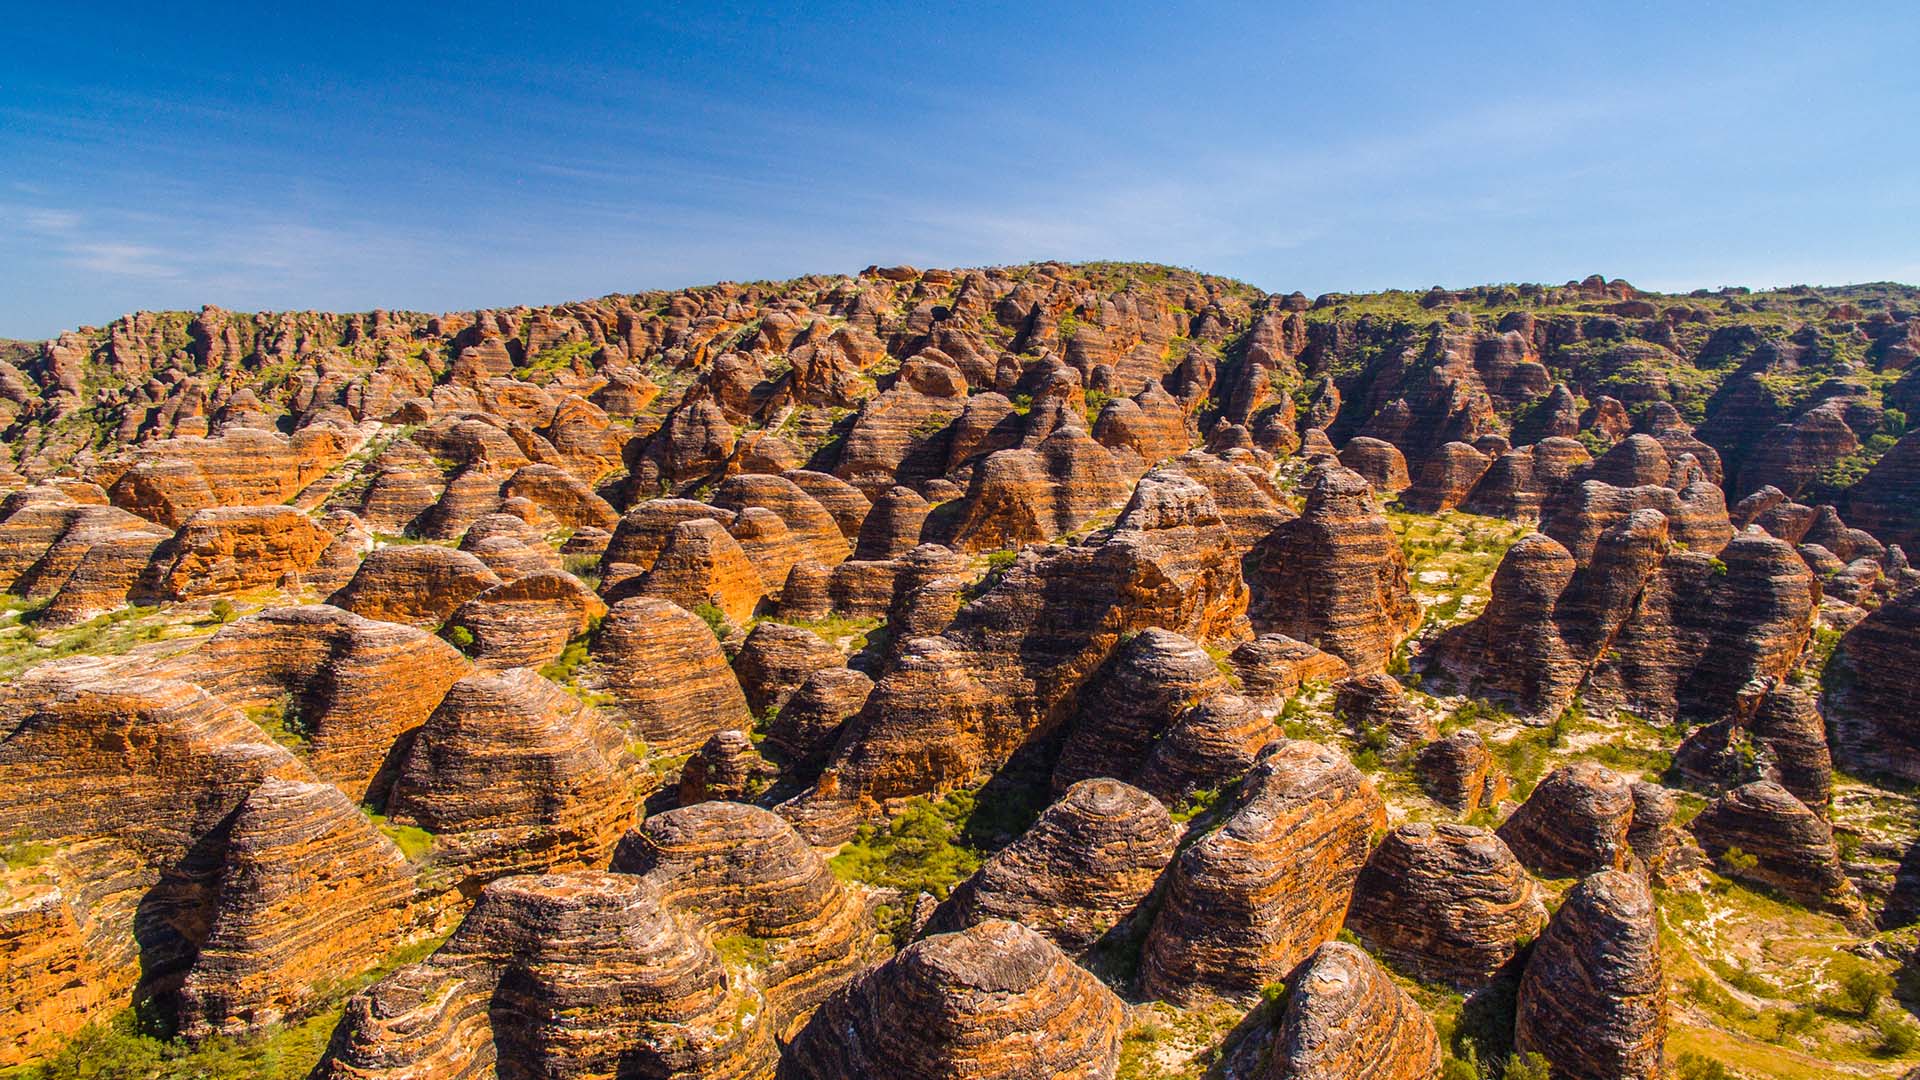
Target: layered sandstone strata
1250,900
511,774
1347,1020
994,1002
1575,823
1335,577
1012,662
347,688
418,584
1446,903
1082,869
669,681
1787,847
1593,998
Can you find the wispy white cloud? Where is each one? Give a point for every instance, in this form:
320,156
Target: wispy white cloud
125,260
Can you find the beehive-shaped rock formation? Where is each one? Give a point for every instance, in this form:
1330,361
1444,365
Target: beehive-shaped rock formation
1250,900
1347,1020
669,681
1447,903
418,584
511,774
1575,822
993,1002
1335,577
1593,999
351,687
1079,871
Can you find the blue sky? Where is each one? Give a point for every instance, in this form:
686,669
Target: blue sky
159,156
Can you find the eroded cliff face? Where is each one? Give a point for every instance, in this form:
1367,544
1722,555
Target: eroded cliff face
901,673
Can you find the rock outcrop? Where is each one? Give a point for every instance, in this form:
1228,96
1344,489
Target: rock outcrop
1251,899
663,668
526,622
225,549
418,584
739,871
994,1002
1871,698
308,889
511,774
1347,1020
1777,734
1445,903
349,689
1642,625
1335,577
1014,660
1776,841
1593,998
1459,773
1142,689
1078,872
776,659
1575,823
562,975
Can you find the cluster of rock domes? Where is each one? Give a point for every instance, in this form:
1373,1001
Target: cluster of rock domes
587,634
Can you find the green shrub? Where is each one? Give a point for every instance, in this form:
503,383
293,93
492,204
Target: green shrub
223,611
1528,1066
584,567
20,851
282,722
462,638
565,668
414,842
1861,991
1737,861
921,850
1692,1066
715,619
1898,1035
